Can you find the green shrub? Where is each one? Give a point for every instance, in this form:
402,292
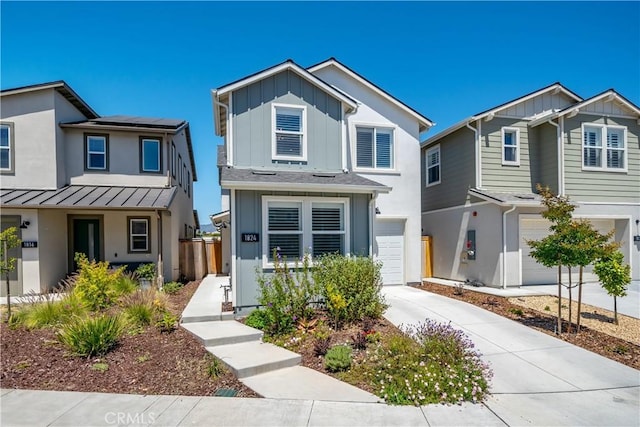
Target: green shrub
167,322
214,368
139,314
257,319
96,285
355,279
93,336
171,287
143,306
39,311
146,271
285,294
126,284
338,358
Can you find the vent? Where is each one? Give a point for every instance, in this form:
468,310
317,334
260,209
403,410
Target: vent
263,173
323,175
525,197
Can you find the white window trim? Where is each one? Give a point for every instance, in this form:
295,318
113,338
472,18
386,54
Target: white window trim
517,146
10,148
603,138
426,166
354,152
159,157
306,221
274,155
132,235
103,153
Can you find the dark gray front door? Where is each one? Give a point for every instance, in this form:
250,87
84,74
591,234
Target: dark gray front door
87,239
15,276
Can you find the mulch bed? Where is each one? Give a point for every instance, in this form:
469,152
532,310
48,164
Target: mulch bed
605,345
150,362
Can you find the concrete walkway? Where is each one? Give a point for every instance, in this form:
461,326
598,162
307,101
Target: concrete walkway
538,379
271,371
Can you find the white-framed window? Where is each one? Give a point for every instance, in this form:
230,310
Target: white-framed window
173,159
179,170
139,235
432,165
289,132
604,147
97,152
295,226
511,146
374,147
150,155
6,147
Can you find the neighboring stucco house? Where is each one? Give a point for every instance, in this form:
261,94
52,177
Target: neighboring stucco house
315,161
116,188
479,178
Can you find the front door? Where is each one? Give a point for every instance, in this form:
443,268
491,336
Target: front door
86,239
15,276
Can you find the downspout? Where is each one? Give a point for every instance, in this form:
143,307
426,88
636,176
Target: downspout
477,153
560,154
214,96
504,245
345,149
372,216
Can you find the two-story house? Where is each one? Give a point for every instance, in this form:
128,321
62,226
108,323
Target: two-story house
316,161
116,188
479,201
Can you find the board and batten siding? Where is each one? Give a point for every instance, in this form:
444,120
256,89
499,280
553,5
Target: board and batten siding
248,219
495,175
589,185
457,171
252,123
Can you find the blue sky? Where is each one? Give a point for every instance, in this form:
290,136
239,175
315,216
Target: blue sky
447,60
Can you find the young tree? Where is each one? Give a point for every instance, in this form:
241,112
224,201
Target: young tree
614,275
8,240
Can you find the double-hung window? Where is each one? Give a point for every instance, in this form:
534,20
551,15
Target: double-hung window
139,235
289,133
97,152
295,226
604,147
511,146
374,148
432,167
6,148
150,155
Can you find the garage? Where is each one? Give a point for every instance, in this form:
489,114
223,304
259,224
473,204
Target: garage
536,274
390,249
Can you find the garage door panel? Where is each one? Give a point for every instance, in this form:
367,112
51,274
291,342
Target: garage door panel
390,245
534,273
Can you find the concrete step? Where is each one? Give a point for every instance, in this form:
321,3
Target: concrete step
299,382
199,318
254,357
222,332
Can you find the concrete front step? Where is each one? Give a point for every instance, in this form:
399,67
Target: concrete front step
299,382
222,332
255,357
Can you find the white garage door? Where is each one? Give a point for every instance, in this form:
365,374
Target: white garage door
536,274
390,244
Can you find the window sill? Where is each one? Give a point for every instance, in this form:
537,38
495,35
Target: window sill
511,164
378,171
587,169
433,184
288,159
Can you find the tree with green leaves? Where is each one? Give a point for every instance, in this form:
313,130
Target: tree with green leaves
614,275
8,240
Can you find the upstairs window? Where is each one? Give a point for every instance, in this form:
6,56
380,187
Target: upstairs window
433,166
604,147
139,235
289,139
150,155
179,166
173,159
511,146
97,152
374,148
6,148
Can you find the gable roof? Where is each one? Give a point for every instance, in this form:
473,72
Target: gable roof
289,64
425,123
608,95
554,88
63,89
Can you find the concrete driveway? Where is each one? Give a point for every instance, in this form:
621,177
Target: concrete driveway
538,379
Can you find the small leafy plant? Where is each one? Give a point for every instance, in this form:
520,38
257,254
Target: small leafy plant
146,271
100,367
172,287
359,341
321,346
167,322
257,319
97,286
338,358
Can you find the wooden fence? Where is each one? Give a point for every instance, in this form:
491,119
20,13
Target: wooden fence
427,256
199,257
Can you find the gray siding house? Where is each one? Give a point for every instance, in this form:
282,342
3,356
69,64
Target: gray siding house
116,188
311,163
479,176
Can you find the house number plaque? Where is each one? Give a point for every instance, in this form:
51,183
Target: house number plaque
250,237
29,244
